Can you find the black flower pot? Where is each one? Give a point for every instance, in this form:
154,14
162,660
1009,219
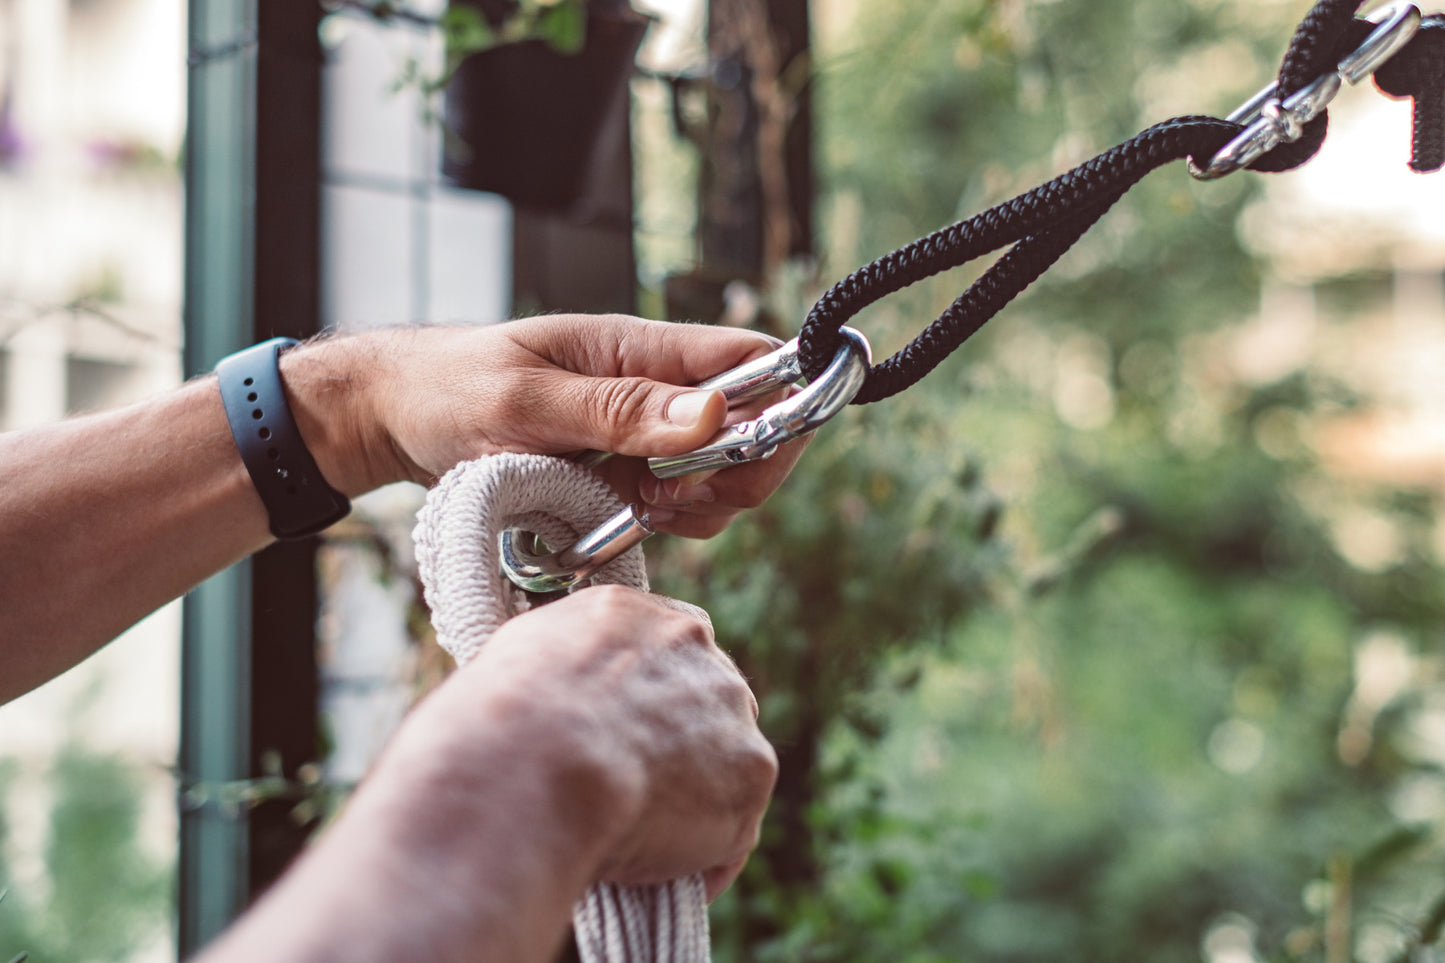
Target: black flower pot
523,120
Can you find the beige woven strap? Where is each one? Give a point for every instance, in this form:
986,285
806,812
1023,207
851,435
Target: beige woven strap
456,550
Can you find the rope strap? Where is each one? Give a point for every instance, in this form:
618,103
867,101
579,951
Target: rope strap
456,550
1045,222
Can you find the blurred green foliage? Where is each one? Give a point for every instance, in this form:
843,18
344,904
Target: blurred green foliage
1060,650
104,896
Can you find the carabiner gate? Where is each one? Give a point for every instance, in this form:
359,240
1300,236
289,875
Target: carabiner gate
791,418
527,566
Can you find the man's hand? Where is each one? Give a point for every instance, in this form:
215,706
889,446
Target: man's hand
600,737
639,715
412,403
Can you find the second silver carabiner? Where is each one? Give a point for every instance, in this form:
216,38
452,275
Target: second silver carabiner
1269,122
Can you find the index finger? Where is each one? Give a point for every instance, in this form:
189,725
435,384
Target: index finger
618,345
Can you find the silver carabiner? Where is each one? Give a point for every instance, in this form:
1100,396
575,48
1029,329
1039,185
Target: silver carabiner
527,565
1269,122
785,421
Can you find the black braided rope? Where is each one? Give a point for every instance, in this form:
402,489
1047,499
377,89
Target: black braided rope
1322,38
1043,223
990,294
1418,72
1320,41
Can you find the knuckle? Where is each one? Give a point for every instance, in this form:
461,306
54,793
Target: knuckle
613,319
621,405
751,496
608,601
757,769
734,691
641,617
687,630
692,525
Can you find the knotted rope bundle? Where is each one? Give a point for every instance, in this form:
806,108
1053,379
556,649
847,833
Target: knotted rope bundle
456,549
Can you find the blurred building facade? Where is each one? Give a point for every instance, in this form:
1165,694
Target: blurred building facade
1356,212
91,125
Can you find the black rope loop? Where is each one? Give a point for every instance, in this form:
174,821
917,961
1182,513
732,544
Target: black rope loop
1321,41
1418,72
1043,223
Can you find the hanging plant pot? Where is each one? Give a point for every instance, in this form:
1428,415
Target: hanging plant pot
523,119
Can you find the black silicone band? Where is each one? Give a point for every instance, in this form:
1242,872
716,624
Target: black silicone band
297,498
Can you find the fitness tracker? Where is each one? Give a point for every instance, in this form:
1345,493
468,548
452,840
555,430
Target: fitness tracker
297,499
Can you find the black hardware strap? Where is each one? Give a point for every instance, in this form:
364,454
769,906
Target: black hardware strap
1045,222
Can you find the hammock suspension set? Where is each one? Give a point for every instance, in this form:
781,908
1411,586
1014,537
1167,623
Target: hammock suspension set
1278,129
483,537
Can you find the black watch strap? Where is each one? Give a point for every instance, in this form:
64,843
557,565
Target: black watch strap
297,498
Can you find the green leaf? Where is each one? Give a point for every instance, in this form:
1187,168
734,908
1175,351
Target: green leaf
892,876
564,27
1394,847
20,958
466,31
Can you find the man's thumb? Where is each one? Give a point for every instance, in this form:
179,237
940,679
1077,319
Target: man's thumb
635,416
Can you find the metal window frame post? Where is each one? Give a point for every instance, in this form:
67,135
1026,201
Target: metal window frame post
252,271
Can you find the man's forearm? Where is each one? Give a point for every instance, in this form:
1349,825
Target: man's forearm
101,522
429,862
105,518
602,736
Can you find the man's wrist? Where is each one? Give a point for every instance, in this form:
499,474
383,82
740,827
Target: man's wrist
530,755
429,863
584,773
298,499
328,386
499,827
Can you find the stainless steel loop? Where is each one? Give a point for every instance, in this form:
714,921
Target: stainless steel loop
791,418
529,564
1269,122
751,379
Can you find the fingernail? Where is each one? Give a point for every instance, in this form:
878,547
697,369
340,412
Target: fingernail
673,493
659,516
697,477
692,494
685,410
